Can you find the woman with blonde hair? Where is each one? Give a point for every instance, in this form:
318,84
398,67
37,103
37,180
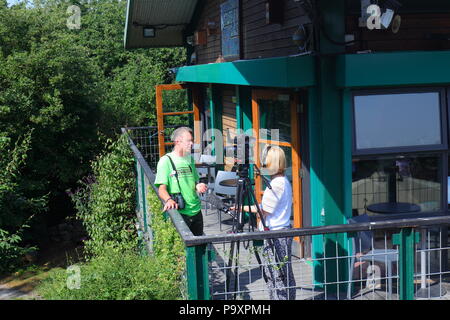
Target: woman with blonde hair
276,207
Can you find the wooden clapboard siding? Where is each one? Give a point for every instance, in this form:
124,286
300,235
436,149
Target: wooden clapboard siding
212,49
228,117
258,39
261,40
414,34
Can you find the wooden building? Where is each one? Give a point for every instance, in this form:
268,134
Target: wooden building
360,99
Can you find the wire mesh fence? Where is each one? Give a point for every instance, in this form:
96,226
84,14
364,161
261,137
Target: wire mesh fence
363,265
146,140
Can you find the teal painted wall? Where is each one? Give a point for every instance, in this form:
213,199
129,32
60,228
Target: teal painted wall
327,153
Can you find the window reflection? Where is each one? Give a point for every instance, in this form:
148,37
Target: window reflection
402,179
275,114
406,119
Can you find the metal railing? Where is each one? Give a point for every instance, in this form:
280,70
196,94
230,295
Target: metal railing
403,258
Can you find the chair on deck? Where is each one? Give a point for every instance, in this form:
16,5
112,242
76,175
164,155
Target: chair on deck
363,244
207,175
227,194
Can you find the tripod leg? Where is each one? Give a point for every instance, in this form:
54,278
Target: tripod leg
239,204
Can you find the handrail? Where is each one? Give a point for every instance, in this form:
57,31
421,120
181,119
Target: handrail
310,231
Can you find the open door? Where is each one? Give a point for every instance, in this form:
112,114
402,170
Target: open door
177,105
278,109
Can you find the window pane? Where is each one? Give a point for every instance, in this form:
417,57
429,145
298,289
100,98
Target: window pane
413,180
397,120
275,114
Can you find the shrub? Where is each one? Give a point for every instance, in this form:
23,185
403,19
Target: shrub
105,202
115,275
115,270
16,208
167,244
11,251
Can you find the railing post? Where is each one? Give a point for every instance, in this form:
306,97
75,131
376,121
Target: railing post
197,272
405,241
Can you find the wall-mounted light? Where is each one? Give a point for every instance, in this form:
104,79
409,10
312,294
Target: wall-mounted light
396,23
301,37
148,32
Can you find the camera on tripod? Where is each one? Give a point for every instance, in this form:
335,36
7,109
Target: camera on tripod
242,152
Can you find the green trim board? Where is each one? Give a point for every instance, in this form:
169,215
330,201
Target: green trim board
405,68
327,154
347,152
292,71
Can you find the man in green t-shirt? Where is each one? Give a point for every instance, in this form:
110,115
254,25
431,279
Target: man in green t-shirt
187,183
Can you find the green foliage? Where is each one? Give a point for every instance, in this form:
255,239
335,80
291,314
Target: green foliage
13,202
72,85
115,275
168,246
71,89
115,270
11,251
105,202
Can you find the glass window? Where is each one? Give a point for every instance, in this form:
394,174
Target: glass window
275,114
397,120
401,184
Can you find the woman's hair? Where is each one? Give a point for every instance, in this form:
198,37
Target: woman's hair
275,162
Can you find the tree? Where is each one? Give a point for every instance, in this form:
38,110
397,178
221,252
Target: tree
71,88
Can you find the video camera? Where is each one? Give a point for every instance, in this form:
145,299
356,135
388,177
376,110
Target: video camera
242,152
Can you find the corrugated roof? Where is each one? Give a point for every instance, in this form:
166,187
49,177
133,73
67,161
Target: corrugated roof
169,17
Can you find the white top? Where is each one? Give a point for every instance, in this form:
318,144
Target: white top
277,202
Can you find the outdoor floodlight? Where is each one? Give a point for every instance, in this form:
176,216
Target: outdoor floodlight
149,32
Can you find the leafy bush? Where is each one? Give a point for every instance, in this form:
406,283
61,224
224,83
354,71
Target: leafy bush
167,244
105,202
11,250
115,270
14,205
115,275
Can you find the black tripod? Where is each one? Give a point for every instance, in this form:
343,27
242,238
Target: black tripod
245,196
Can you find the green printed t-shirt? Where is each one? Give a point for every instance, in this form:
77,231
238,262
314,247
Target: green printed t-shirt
188,177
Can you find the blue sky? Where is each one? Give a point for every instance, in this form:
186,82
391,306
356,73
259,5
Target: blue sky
11,2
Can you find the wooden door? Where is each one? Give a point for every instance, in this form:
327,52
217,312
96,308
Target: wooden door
279,109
